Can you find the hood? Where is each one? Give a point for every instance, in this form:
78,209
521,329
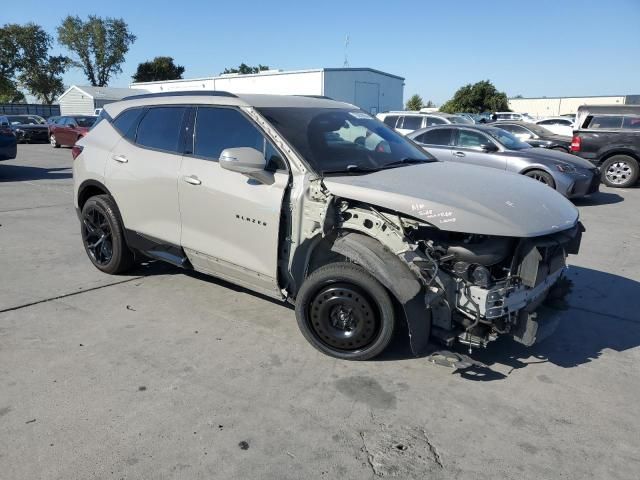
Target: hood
549,157
462,198
27,126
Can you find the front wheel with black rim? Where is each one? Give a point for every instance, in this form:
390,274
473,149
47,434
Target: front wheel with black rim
619,171
344,312
103,236
542,177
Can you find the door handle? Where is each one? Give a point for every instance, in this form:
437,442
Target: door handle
193,180
459,154
120,158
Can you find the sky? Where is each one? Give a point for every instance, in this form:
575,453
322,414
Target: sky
529,48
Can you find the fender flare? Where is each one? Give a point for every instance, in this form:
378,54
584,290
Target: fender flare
391,272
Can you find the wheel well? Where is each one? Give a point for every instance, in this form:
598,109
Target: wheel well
608,155
88,191
539,169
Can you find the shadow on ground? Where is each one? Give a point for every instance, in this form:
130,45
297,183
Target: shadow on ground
600,198
19,173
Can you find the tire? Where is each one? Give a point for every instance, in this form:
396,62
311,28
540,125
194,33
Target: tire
619,171
53,142
542,177
345,313
103,236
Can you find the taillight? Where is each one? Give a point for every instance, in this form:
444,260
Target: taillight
576,143
6,132
76,150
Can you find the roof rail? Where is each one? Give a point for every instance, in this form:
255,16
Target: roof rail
183,93
321,97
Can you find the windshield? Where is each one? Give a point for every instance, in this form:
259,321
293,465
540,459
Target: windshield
460,119
506,139
336,140
85,121
26,120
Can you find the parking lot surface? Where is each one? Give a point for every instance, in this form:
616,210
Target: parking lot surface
165,374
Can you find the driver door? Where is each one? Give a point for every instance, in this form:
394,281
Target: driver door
230,222
469,149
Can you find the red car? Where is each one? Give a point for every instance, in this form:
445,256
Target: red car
68,130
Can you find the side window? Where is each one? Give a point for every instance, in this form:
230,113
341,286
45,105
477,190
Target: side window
412,122
439,136
552,122
160,128
220,128
631,123
606,121
127,122
469,139
435,121
391,120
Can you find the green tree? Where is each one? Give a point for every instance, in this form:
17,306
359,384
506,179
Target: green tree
430,104
160,68
244,69
25,62
477,98
98,44
414,102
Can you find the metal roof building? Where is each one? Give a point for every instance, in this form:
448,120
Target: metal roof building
372,90
81,100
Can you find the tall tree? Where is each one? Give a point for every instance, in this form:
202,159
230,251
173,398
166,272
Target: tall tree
160,68
430,104
99,45
244,69
25,62
477,98
414,102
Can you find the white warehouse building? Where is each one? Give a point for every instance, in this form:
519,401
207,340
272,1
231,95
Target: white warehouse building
371,90
552,106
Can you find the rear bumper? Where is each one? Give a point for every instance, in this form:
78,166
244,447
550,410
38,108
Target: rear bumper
8,152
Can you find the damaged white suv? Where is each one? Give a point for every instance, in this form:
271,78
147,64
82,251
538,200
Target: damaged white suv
315,202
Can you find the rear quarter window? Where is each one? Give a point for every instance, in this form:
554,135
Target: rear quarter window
413,122
631,123
126,123
391,120
605,122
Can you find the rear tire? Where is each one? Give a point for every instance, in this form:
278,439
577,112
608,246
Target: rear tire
542,177
103,236
345,313
619,171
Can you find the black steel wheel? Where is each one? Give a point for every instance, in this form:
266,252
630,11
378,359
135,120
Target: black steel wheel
103,237
344,312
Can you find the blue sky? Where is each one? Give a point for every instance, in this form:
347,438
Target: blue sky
532,48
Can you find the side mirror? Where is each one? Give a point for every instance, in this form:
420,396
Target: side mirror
488,147
245,160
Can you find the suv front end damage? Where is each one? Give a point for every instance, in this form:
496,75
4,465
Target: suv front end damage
474,287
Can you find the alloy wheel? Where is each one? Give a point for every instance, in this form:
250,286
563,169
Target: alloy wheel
619,172
97,236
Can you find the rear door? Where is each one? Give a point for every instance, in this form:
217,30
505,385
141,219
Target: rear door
468,149
142,173
438,142
231,223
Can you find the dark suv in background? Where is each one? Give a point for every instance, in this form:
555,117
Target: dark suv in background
609,137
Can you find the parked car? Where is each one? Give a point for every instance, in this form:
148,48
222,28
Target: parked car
494,147
8,142
535,135
27,128
558,125
407,122
69,129
316,202
522,117
609,137
53,119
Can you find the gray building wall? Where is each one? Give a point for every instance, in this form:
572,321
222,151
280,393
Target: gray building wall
371,91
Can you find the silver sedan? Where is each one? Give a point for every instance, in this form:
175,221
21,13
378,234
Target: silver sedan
493,147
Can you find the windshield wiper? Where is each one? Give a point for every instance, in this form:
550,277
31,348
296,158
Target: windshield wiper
407,161
351,168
